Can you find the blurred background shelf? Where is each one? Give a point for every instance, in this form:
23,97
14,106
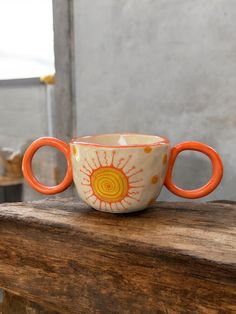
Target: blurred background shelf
10,189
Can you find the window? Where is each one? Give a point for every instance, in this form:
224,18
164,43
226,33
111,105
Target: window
26,38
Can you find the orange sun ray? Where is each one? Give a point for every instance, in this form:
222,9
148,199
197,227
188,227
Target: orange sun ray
86,169
113,156
126,162
134,198
141,170
89,164
98,159
136,181
132,168
119,162
85,179
84,172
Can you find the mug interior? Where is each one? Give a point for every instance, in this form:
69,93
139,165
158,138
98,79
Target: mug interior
121,140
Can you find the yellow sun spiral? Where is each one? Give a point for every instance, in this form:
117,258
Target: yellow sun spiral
109,184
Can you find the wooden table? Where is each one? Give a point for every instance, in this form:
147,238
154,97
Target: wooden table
60,256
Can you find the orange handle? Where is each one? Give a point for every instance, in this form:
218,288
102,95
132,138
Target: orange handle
27,165
217,170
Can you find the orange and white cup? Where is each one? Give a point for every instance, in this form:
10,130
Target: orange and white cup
121,173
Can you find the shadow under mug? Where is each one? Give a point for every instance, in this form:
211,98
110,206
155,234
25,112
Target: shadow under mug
121,172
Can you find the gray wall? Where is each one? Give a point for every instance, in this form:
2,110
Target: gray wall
22,111
23,117
165,67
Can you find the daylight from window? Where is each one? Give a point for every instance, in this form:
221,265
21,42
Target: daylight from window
26,32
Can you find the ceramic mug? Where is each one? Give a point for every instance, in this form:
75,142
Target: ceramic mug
121,172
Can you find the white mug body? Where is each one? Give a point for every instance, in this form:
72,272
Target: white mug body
119,173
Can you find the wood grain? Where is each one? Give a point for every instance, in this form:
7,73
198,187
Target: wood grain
14,304
171,258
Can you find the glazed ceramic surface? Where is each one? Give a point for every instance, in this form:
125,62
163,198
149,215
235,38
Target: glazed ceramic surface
124,178
121,173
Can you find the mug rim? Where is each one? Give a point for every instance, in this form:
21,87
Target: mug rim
79,140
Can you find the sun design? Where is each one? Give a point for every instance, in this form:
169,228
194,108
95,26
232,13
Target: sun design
111,183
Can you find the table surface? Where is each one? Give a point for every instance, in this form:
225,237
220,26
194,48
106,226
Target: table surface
172,256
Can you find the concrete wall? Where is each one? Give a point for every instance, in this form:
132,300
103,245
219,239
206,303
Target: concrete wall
165,67
23,117
22,111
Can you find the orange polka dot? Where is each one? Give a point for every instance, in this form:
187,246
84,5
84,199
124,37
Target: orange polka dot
147,149
164,160
74,150
154,179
